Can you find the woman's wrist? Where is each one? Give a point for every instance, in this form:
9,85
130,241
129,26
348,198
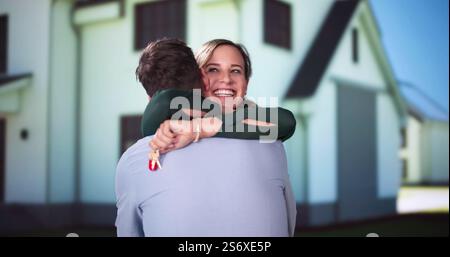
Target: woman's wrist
210,126
196,130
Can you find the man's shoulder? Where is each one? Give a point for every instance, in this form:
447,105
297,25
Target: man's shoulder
215,145
139,145
135,154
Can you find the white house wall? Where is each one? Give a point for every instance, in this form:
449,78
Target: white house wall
322,140
436,160
413,151
296,155
28,51
311,151
62,104
211,19
108,66
388,142
426,152
366,73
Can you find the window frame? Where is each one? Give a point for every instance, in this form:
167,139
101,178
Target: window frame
271,29
4,44
141,10
130,130
355,45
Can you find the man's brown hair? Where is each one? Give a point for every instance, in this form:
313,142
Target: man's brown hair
168,63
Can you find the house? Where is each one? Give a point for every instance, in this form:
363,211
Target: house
346,98
425,140
70,104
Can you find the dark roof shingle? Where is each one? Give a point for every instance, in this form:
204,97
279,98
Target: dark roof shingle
319,55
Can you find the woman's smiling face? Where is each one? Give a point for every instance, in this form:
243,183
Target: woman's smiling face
224,76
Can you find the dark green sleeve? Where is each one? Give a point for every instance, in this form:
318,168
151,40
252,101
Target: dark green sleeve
285,124
158,109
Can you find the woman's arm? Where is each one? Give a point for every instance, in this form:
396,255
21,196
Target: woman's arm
188,131
158,112
242,126
158,109
274,123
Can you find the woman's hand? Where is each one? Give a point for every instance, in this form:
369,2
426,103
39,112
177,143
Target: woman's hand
176,134
172,135
185,132
164,139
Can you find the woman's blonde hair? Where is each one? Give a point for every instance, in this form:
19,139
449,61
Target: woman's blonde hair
204,54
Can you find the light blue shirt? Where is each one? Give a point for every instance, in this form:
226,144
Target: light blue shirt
215,187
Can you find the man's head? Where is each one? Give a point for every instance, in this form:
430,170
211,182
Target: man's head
168,63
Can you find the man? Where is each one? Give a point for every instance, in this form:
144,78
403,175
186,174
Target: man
215,187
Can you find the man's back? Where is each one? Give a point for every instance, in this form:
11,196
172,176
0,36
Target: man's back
216,187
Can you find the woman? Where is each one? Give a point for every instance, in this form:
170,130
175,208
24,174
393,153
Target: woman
226,70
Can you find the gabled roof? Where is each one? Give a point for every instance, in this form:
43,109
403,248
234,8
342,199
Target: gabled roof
421,106
317,59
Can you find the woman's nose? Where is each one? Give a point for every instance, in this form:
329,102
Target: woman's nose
226,78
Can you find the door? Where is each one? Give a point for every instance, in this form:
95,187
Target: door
357,160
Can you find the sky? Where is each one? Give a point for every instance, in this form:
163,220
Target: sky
416,38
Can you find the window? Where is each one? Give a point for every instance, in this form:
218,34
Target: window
404,137
159,19
277,23
355,54
3,43
130,127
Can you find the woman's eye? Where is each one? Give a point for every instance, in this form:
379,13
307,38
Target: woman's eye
236,71
212,69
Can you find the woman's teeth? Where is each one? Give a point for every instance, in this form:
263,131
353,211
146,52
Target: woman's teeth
224,92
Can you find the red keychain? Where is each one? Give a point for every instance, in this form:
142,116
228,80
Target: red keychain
153,161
